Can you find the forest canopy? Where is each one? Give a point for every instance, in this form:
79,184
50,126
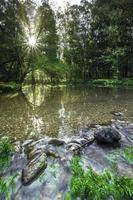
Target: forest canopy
92,40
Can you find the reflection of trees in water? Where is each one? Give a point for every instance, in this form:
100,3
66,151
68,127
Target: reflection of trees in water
35,94
45,103
64,110
59,111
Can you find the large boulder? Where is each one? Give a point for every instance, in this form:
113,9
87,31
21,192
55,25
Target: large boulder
34,168
107,135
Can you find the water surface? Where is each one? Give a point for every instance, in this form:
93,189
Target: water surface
52,111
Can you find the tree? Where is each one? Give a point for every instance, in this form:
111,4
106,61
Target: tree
10,34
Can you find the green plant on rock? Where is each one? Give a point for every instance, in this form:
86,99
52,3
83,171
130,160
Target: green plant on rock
94,186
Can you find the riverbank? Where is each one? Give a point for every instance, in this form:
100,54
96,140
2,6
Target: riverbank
10,87
45,165
110,83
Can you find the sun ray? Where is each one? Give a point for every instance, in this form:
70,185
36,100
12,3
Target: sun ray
32,41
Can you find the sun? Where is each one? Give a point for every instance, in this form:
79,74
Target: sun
32,41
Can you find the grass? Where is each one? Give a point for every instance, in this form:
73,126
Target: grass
7,187
113,82
6,151
128,154
9,86
94,186
6,147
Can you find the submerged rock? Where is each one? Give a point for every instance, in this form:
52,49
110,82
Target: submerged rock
118,114
107,135
35,167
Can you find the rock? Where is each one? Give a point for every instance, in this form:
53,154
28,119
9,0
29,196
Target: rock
87,134
125,169
98,126
107,135
31,155
73,146
51,151
78,142
57,142
83,141
118,114
27,142
35,167
89,138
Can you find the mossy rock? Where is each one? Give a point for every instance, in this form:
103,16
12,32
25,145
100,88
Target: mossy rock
34,169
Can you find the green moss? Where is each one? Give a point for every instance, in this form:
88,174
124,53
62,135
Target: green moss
10,87
94,186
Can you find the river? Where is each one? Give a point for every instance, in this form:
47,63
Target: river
70,113
39,110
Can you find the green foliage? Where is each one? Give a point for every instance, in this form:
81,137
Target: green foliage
94,40
97,40
95,186
113,82
10,43
6,147
7,187
128,154
10,86
6,151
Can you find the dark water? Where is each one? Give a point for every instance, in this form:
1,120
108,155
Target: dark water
56,112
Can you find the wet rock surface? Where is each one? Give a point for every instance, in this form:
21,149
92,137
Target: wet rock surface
108,135
125,169
34,168
56,141
44,165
